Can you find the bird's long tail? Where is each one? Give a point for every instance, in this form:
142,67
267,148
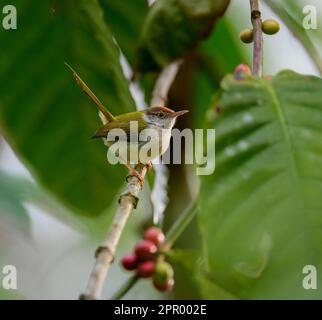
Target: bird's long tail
104,114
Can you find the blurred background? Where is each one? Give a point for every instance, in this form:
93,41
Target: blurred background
43,233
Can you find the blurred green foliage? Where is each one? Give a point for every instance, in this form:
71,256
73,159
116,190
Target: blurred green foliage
260,212
46,117
261,209
174,27
125,19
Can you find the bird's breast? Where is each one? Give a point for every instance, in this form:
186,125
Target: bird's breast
153,142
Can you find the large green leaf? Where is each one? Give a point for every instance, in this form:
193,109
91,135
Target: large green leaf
172,27
125,18
261,213
219,55
47,118
186,270
191,282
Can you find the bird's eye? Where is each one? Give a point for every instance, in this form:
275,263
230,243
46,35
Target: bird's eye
160,114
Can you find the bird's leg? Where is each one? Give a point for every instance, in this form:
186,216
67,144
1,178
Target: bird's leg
134,173
149,165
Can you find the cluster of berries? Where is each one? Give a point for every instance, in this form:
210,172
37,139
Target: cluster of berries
144,260
269,27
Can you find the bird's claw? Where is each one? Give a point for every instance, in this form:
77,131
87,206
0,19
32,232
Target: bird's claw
149,166
134,173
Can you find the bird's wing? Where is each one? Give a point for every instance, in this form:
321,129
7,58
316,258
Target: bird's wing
123,124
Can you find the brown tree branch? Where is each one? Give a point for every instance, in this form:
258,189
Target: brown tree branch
127,202
163,84
258,38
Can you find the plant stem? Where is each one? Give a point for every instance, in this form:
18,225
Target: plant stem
258,38
127,202
179,226
105,252
163,83
125,288
173,234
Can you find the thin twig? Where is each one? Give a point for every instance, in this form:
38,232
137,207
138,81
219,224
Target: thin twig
163,83
125,288
179,226
258,38
127,202
106,251
171,237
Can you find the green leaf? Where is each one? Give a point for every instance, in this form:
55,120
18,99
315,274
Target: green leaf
125,18
173,27
219,55
47,118
210,290
186,269
191,280
224,48
261,210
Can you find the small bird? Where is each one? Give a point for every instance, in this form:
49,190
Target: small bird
161,119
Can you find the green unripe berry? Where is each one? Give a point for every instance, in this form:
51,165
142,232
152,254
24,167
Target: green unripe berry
270,26
162,273
247,36
164,287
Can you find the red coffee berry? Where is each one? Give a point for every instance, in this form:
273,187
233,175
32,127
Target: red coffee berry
164,287
155,235
129,261
146,269
145,249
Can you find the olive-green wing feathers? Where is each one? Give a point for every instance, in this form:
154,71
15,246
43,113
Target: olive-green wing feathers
123,122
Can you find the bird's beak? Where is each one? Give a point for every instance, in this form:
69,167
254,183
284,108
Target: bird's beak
179,113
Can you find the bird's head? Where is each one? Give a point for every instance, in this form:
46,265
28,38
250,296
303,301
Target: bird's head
162,117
